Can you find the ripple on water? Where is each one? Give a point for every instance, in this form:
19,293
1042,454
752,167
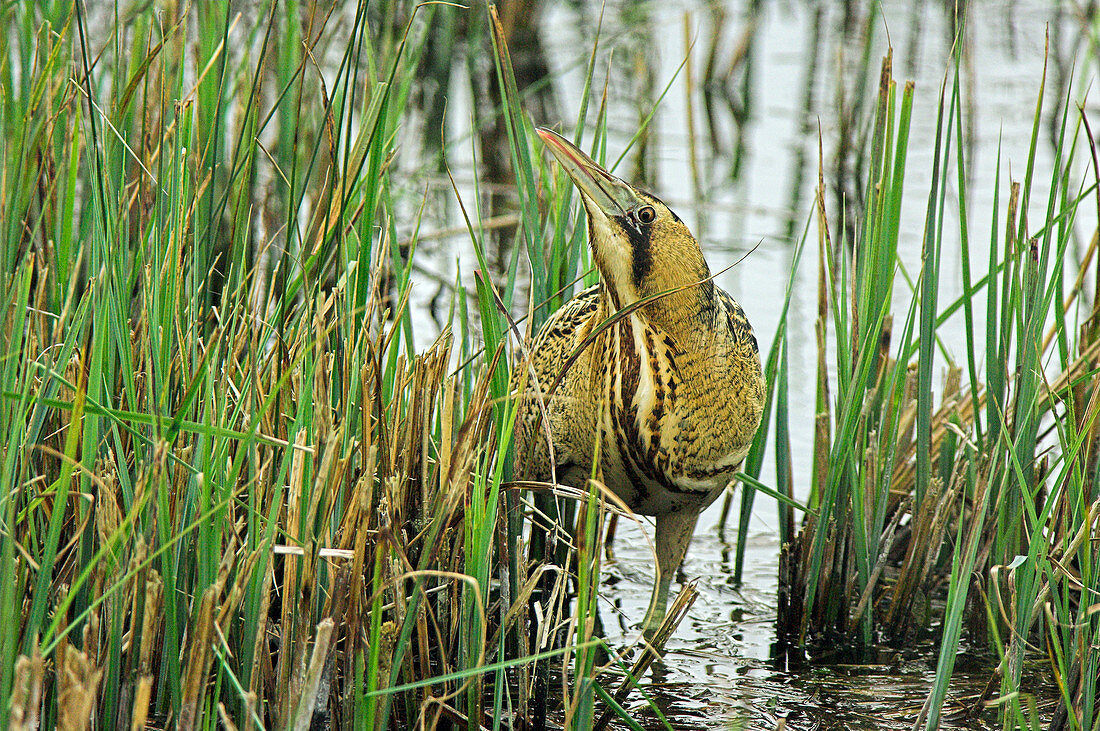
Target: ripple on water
721,667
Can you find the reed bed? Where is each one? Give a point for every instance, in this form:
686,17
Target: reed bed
965,510
238,492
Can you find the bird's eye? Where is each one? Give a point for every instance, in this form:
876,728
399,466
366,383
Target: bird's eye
646,214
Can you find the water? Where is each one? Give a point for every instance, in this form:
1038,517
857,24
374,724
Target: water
794,68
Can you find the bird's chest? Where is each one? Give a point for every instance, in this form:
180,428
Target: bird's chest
661,447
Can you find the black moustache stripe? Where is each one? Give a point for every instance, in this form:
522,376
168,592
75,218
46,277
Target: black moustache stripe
641,255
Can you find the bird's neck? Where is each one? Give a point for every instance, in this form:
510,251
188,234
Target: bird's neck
677,313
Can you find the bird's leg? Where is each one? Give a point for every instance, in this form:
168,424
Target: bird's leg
674,531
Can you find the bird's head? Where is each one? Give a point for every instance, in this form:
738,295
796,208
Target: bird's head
639,245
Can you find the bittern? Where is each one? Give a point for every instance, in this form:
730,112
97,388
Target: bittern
673,391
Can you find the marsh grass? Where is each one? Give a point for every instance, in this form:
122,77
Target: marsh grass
942,508
237,492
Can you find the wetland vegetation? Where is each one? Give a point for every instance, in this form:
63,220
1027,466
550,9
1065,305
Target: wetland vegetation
265,267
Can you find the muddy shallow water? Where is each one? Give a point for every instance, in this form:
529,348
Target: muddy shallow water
784,72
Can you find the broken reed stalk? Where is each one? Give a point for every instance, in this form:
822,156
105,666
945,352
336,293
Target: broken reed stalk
650,652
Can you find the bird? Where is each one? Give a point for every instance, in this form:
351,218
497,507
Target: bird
668,397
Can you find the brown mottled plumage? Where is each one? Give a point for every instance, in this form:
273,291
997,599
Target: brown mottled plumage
673,391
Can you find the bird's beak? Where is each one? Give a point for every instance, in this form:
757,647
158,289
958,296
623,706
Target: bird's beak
598,187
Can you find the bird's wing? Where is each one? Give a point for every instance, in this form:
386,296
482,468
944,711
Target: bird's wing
561,334
730,314
556,340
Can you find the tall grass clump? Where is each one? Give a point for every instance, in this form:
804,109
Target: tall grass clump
954,481
236,492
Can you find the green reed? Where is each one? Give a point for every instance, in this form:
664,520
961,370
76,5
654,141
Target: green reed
964,510
237,492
